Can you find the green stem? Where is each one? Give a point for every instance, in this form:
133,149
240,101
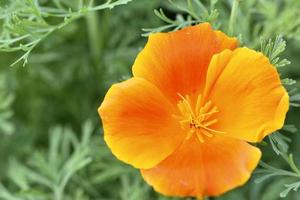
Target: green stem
94,34
98,28
292,164
57,193
233,16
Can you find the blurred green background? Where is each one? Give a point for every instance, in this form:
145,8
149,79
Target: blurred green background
51,144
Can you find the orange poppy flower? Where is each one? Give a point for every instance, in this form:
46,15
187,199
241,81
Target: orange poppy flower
186,116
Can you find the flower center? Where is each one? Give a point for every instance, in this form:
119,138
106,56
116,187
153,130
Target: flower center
197,118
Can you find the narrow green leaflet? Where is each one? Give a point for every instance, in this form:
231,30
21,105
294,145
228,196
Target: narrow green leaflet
190,12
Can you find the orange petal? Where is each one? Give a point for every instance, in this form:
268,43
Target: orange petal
138,123
177,62
248,92
204,169
225,41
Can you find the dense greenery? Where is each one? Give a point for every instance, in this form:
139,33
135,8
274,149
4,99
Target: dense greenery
51,144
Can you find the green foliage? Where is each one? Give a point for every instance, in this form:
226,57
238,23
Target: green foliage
272,49
28,22
48,174
76,53
294,98
249,20
195,11
6,113
280,146
286,15
262,19
61,171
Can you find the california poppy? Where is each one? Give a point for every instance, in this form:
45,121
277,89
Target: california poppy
192,106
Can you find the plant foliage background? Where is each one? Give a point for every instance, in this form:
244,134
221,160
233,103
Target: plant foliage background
51,144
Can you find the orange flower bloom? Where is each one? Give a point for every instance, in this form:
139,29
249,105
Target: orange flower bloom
186,116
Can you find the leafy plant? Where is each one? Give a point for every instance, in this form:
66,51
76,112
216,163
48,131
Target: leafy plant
76,53
6,113
272,49
280,146
52,171
195,11
28,22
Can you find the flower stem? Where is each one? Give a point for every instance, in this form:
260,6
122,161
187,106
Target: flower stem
233,16
94,34
97,28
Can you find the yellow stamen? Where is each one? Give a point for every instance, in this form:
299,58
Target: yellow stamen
197,119
200,137
206,133
198,104
211,122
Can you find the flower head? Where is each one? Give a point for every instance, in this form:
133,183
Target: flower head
186,116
